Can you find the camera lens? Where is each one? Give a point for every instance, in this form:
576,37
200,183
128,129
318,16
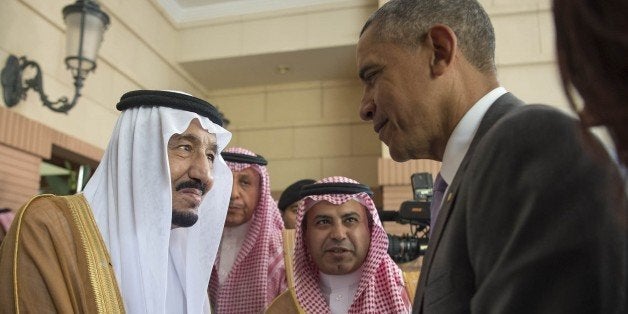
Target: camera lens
405,248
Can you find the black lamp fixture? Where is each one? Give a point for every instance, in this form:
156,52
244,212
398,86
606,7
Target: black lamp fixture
86,24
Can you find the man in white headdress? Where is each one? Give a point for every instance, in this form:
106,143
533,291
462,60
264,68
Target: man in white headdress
140,237
341,263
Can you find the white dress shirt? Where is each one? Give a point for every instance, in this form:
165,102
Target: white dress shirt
460,139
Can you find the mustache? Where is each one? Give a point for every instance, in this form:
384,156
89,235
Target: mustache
193,184
335,245
235,204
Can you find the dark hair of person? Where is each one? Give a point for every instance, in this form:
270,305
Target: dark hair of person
291,194
406,22
592,52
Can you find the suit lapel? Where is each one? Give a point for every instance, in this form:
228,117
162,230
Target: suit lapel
499,108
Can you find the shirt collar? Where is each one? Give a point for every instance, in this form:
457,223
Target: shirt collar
333,282
460,139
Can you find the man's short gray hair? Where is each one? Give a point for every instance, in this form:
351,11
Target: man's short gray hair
406,22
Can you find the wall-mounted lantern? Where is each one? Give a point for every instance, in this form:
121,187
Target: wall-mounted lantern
86,24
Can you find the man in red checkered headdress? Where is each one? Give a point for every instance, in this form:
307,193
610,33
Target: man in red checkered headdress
249,271
341,263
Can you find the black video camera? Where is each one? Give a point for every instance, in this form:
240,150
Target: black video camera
416,213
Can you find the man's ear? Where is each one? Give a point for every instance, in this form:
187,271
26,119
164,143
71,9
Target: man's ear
444,44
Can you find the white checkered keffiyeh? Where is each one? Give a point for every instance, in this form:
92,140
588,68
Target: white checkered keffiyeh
381,287
258,275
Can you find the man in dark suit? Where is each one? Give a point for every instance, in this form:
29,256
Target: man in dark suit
534,217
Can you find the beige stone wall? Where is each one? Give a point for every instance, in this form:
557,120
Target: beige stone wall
139,51
525,51
305,130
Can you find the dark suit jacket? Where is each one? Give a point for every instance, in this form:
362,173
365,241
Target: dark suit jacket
534,222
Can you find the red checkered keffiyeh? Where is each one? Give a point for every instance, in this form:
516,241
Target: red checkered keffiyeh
258,274
381,288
